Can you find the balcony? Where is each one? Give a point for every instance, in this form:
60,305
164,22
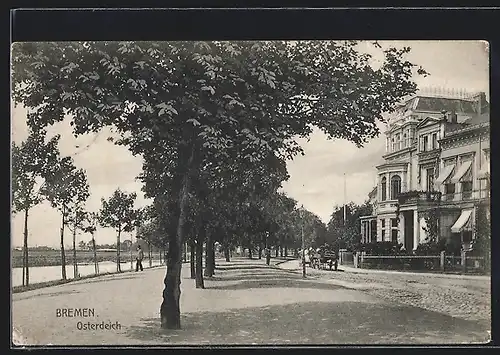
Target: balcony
418,196
469,195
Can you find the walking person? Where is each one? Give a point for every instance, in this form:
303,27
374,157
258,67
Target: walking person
139,257
268,256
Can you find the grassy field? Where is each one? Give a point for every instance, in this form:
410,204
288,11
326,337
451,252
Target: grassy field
53,257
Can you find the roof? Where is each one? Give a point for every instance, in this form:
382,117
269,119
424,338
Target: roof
373,192
478,119
468,125
427,119
439,104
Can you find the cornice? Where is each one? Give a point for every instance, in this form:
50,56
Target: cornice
400,152
472,131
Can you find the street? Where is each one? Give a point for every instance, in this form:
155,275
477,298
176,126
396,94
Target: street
248,302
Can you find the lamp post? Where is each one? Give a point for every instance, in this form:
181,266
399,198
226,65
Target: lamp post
303,244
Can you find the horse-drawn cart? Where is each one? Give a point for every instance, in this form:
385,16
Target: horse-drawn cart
323,258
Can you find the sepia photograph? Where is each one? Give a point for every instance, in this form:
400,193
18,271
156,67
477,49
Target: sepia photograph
276,193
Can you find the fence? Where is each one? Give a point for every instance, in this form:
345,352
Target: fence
433,263
346,258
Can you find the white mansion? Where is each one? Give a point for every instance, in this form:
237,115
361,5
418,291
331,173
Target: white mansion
437,155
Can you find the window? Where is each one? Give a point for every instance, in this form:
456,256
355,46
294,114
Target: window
466,190
394,235
430,179
394,230
382,222
434,141
395,142
383,189
425,143
412,135
373,230
449,191
395,187
467,236
405,142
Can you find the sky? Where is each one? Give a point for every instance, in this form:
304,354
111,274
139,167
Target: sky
316,179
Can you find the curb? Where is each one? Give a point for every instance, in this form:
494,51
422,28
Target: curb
53,283
411,273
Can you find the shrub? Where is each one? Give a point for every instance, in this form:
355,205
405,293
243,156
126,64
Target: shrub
381,248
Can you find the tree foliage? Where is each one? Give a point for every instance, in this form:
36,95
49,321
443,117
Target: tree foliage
32,162
347,235
118,211
190,108
31,165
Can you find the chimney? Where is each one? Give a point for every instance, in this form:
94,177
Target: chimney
451,117
480,102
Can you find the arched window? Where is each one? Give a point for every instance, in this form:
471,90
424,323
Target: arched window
395,187
384,188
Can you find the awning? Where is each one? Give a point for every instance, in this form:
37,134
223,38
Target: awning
461,221
445,174
484,172
461,171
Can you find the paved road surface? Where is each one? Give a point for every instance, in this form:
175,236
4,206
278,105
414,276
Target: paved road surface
247,302
466,297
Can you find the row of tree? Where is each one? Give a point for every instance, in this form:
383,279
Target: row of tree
214,122
40,173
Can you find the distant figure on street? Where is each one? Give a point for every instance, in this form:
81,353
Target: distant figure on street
139,257
268,256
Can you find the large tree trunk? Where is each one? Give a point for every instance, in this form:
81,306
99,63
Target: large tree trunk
199,282
63,254
286,251
96,263
161,260
227,253
25,249
184,256
118,246
192,259
212,258
209,257
281,251
170,311
250,252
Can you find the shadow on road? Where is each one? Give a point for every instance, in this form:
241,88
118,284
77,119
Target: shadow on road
116,277
315,323
240,267
274,283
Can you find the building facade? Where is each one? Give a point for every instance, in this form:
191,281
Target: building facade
437,159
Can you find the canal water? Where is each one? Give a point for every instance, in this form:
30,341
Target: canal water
52,273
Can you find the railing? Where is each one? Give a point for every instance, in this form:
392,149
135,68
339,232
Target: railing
467,195
430,263
418,196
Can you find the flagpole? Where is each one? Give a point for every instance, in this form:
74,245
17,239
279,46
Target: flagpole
345,199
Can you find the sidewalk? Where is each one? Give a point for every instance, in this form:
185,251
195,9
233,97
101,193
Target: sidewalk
246,302
430,274
295,265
